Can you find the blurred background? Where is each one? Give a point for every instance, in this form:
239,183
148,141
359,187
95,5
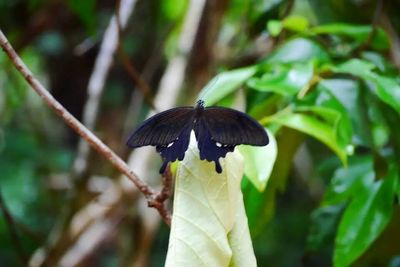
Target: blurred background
326,85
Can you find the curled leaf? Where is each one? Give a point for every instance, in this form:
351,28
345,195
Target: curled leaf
209,226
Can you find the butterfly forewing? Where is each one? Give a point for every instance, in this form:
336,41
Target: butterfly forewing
231,127
162,129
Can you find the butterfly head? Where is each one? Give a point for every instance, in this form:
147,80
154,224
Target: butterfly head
200,104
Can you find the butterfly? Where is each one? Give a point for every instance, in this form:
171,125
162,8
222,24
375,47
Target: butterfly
217,130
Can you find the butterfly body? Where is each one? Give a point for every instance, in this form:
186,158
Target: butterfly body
217,130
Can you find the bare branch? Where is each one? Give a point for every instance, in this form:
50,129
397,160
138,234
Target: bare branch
163,195
141,84
72,122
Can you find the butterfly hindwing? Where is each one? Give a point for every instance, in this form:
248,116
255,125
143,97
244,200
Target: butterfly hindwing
161,129
231,127
177,148
209,148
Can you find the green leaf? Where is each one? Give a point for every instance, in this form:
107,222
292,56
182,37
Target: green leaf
260,206
379,60
298,50
323,226
209,226
350,95
380,40
360,33
284,80
335,117
314,127
295,23
357,32
274,27
387,89
225,83
173,9
348,181
259,161
356,67
327,107
86,10
365,218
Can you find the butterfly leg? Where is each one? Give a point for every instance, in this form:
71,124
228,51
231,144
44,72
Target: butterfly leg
218,167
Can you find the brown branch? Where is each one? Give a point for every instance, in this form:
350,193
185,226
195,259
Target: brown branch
142,85
78,127
163,195
166,191
13,231
137,79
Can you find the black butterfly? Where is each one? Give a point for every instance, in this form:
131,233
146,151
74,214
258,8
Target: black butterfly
218,130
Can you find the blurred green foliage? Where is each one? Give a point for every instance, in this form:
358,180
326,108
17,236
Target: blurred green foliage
327,89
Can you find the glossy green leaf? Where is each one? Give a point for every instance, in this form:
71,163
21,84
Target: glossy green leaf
225,83
298,50
360,33
259,161
314,127
348,181
349,93
379,60
284,80
334,116
355,67
209,226
387,89
327,107
364,219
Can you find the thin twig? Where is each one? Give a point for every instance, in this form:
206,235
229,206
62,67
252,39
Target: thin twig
13,231
374,24
78,127
142,85
134,74
166,191
97,82
163,195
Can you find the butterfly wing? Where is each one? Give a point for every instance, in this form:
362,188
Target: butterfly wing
218,130
177,148
169,131
231,127
210,149
162,128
